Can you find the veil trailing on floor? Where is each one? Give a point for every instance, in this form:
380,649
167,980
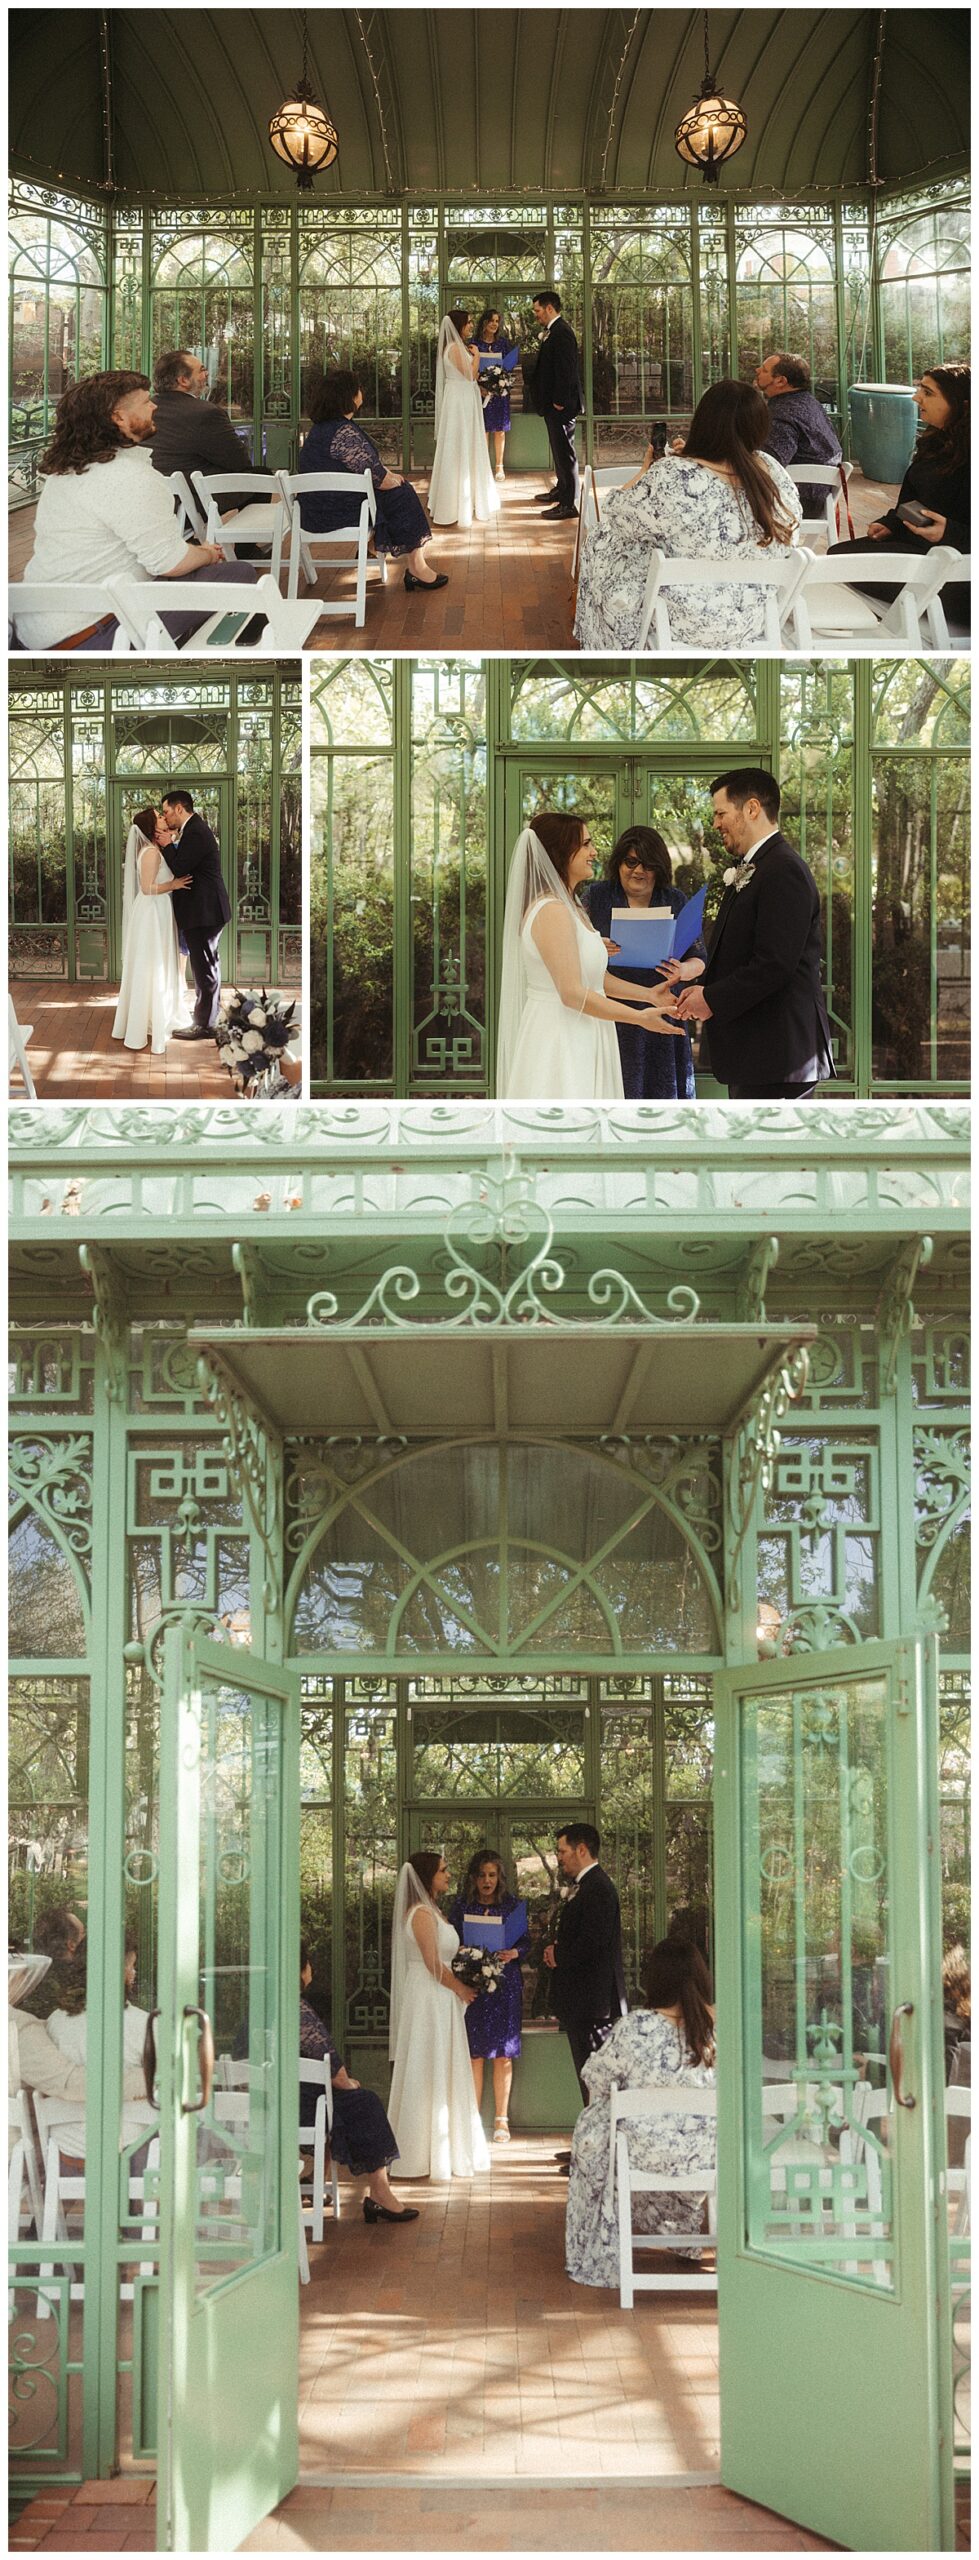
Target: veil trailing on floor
532,877
448,336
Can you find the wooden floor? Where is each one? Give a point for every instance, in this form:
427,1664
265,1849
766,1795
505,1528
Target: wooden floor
74,1058
509,581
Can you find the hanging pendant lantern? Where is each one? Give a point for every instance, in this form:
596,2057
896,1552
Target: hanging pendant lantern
300,131
713,129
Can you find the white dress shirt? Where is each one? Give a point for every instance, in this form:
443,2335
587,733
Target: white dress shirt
115,519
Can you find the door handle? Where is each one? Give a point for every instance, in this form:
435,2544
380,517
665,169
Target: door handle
895,2053
149,2058
205,2059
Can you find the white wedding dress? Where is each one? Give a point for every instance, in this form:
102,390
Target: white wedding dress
562,1054
432,2106
462,488
151,996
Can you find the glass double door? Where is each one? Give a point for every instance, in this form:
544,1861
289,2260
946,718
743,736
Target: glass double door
212,800
545,2093
615,791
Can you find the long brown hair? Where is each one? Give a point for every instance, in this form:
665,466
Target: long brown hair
948,447
483,1858
145,820
561,833
426,1863
676,1977
459,318
84,428
730,424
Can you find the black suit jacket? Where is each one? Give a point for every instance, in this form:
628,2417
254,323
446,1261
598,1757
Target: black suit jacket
192,435
589,1975
763,975
557,376
205,906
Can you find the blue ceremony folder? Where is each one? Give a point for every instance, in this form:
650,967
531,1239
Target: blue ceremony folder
647,935
507,364
489,1929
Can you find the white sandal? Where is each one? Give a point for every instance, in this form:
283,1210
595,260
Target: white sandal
501,2129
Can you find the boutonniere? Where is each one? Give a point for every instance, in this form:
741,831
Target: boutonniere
738,875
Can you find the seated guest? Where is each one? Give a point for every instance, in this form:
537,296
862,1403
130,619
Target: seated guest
335,443
670,2043
639,874
48,2057
937,485
799,430
721,498
361,2139
191,433
104,512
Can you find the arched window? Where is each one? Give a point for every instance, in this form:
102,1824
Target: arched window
57,319
202,300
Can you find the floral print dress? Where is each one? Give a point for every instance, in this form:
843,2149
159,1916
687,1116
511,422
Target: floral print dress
644,2051
687,510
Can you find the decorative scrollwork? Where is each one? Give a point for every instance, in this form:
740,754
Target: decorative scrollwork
255,1455
754,1280
55,1477
942,1481
753,1461
895,1306
110,1318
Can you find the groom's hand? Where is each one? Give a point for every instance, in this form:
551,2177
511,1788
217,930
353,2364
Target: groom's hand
675,971
693,1006
550,1958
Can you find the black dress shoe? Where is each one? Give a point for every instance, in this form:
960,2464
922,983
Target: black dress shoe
192,1033
425,586
559,515
545,498
382,2212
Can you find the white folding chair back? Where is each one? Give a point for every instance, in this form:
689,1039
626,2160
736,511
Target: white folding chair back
75,607
779,580
62,2187
24,2184
192,517
634,2106
316,2075
821,475
347,545
958,2109
252,523
141,605
18,1035
828,610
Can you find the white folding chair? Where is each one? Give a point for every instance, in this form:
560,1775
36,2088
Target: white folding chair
24,2181
349,540
64,2189
828,609
612,475
192,521
18,1035
633,2106
141,605
250,523
821,475
779,580
316,2075
958,2109
75,607
230,2108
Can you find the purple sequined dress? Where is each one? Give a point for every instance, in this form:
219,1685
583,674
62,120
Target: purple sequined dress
493,2021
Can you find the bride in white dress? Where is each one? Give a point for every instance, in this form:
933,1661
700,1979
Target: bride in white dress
558,1004
432,2107
151,995
462,485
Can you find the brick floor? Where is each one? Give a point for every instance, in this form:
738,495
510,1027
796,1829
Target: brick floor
509,581
74,1058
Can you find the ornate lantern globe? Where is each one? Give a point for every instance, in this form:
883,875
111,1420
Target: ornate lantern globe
713,129
300,131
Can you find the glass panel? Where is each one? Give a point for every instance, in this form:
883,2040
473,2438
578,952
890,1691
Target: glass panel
371,1855
921,929
819,1554
925,275
350,304
817,815
316,1830
45,1612
817,1952
642,314
588,702
530,1852
448,874
786,299
202,300
352,919
497,1752
240,1905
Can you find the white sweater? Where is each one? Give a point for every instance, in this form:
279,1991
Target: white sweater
115,519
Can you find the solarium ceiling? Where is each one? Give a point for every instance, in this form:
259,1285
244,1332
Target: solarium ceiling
491,100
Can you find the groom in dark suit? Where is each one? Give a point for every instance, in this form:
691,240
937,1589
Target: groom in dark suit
585,1957
761,988
558,398
202,911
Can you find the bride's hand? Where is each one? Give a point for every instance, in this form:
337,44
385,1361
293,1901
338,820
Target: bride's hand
653,1020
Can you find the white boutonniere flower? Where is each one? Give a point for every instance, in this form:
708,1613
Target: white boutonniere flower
738,875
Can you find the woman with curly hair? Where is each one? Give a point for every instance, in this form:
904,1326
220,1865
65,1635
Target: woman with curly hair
105,513
934,501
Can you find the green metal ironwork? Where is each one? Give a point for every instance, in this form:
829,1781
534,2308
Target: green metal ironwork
87,749
849,1530
666,293
424,771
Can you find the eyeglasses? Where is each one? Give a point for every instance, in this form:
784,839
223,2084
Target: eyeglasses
634,862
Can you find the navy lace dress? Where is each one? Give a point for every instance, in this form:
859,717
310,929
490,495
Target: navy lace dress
496,410
339,445
653,1069
493,2021
362,2138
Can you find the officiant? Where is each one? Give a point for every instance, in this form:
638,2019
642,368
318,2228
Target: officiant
498,358
493,2021
639,875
